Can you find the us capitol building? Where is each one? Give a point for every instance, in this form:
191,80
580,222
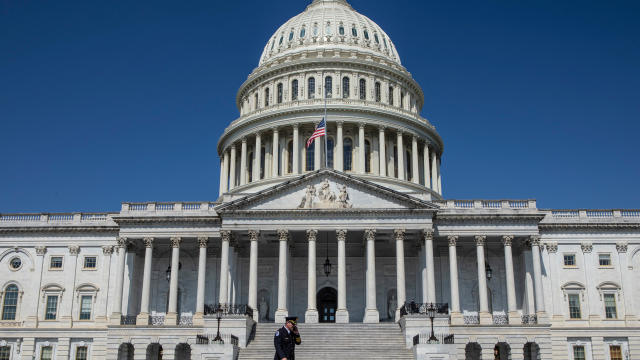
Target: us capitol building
355,236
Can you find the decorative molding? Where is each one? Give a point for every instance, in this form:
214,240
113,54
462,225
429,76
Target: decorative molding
175,241
507,240
327,199
535,240
74,250
121,242
312,234
107,250
453,239
428,234
148,242
283,234
622,246
342,234
41,250
552,246
398,234
203,241
480,240
370,234
226,235
254,235
586,247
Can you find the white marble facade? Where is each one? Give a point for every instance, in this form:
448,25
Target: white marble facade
561,282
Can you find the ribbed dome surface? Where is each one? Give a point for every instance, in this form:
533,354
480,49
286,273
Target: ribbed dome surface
329,24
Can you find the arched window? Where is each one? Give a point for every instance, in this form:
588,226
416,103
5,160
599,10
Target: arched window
354,31
310,158
375,36
407,159
330,152
266,97
311,88
341,30
315,29
391,95
255,103
328,85
367,156
291,35
395,161
363,89
281,38
263,154
10,302
250,167
294,90
377,89
279,93
347,156
290,157
303,32
345,87
366,34
328,28
402,99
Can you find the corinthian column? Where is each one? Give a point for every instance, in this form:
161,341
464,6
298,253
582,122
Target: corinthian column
400,279
400,155
361,153
296,150
232,168
537,277
415,167
514,317
253,273
311,315
282,312
117,303
382,156
198,318
172,313
456,316
143,317
431,278
434,172
371,314
224,267
225,170
257,158
342,314
338,161
275,161
485,317
427,170
243,162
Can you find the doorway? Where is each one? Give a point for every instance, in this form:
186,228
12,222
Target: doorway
327,300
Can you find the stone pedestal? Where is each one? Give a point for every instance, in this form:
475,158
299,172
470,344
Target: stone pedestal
142,319
342,316
198,319
515,318
485,318
281,316
311,317
171,319
457,318
371,316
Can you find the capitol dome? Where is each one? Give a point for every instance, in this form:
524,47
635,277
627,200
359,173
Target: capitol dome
329,24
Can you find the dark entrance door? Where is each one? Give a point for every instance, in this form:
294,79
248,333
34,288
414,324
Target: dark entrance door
327,300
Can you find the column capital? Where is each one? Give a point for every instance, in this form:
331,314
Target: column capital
535,240
296,126
253,235
399,132
370,234
586,247
283,234
552,246
311,234
106,250
399,234
382,128
122,242
226,235
480,240
74,250
428,234
41,250
453,239
342,234
203,241
507,240
340,123
361,125
244,140
175,241
148,242
622,246
274,129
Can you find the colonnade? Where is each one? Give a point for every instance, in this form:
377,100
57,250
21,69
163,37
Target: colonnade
422,168
342,313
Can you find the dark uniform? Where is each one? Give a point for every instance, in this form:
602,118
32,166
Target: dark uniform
285,342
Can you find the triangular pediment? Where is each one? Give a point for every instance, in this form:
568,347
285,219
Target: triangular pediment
326,190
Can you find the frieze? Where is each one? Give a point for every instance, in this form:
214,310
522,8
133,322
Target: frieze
622,246
324,198
586,247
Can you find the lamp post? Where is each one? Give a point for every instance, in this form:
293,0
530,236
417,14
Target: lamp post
327,263
431,311
219,316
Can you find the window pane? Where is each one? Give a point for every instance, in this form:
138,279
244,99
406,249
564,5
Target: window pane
345,87
294,90
311,88
330,153
81,353
378,94
363,89
85,307
604,259
578,353
328,84
5,352
10,303
615,352
52,307
367,156
310,157
574,306
346,154
90,262
569,260
610,306
56,262
46,353
390,95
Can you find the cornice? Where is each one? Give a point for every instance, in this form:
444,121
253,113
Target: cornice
602,226
324,212
166,219
443,217
58,229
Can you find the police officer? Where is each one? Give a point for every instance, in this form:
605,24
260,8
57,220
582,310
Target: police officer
286,339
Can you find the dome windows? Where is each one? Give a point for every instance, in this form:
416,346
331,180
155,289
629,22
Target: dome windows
281,38
266,97
328,85
347,156
328,28
294,90
341,30
315,29
279,93
363,89
303,32
354,31
273,43
385,42
345,87
375,36
378,92
311,88
366,34
291,35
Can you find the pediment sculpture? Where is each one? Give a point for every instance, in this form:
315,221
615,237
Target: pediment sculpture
325,198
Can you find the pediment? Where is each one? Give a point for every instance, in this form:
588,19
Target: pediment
326,190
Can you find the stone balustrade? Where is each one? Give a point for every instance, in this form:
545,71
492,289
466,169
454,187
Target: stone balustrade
486,204
56,219
164,208
594,214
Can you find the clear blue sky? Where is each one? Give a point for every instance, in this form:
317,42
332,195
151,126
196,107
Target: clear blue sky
111,101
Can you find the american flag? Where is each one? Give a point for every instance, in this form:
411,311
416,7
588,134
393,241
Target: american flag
319,131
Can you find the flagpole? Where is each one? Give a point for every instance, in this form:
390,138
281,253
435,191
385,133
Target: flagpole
326,129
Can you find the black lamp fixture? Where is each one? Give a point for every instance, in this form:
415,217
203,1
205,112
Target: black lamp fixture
168,272
219,311
488,270
327,263
431,312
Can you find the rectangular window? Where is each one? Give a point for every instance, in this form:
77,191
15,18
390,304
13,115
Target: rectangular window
81,353
569,260
90,262
52,307
85,307
574,306
610,306
615,352
56,262
391,95
578,353
604,259
5,352
46,353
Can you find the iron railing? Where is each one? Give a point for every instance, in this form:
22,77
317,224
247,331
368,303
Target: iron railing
471,319
127,320
440,339
227,309
206,339
529,319
411,308
500,319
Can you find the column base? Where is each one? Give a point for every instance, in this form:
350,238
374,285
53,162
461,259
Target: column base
114,319
485,318
171,318
543,318
142,319
311,316
198,319
457,318
342,316
281,315
515,318
371,316
397,315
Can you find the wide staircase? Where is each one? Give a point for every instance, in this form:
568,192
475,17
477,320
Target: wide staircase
333,341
